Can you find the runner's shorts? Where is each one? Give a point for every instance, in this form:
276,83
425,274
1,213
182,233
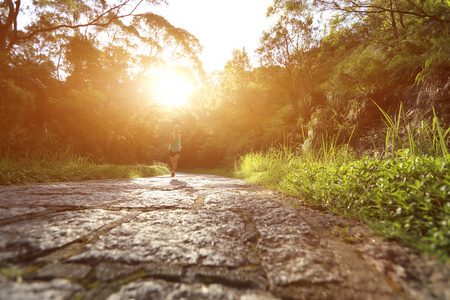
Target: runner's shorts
172,154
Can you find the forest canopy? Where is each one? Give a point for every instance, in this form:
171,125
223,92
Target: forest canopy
78,74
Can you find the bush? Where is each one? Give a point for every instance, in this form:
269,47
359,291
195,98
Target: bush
407,194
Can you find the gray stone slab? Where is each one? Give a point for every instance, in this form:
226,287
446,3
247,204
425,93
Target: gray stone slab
181,237
11,212
150,199
31,237
161,290
57,289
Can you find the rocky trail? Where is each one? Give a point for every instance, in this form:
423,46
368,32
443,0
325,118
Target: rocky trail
195,237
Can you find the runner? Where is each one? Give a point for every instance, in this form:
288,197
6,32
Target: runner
175,148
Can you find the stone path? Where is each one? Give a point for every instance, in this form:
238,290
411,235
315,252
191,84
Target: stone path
195,237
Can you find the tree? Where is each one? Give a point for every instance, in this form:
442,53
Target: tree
157,42
397,9
379,50
8,23
290,44
50,16
94,57
239,104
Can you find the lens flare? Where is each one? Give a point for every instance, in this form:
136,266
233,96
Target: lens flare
172,89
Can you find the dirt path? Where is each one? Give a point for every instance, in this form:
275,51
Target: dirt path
195,237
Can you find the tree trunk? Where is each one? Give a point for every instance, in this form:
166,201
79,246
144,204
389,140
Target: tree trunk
394,23
6,27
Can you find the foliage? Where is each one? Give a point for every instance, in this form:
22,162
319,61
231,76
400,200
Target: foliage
419,139
16,107
378,50
235,114
319,83
265,168
52,16
404,196
409,193
292,44
76,74
66,166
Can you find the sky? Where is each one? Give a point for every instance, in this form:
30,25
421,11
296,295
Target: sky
220,26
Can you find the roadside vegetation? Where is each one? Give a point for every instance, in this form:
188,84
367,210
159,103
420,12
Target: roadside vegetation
403,194
66,166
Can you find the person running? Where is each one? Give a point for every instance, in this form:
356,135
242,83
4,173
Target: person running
175,148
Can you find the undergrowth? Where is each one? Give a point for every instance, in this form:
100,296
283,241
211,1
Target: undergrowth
404,195
65,166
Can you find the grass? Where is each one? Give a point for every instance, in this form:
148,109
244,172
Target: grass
404,196
65,166
420,137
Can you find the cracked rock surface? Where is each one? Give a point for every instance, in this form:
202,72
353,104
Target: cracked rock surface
195,237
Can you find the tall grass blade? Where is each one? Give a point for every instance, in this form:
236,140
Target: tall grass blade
442,136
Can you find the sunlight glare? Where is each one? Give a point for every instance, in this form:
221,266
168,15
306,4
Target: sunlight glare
172,89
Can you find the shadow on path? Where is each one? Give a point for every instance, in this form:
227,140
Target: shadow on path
178,182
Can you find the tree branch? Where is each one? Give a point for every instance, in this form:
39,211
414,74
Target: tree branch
94,22
375,9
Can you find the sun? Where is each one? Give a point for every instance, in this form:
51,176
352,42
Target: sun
172,88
